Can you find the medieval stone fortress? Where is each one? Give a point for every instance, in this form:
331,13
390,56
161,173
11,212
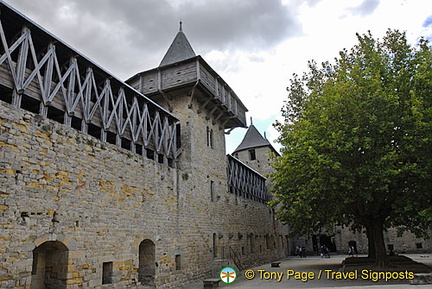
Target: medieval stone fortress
112,184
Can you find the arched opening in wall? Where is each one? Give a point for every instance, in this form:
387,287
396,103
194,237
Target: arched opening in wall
328,241
214,245
251,243
50,263
352,245
147,262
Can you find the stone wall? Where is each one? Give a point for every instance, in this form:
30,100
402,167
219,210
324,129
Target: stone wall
237,222
405,243
69,196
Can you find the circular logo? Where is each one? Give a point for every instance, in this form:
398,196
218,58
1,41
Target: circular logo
228,275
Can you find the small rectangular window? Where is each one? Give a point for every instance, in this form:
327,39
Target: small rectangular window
178,262
107,271
212,192
252,155
419,245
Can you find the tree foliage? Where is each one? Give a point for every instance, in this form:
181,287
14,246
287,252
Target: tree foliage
357,141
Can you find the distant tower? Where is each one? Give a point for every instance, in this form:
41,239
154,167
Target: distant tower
255,151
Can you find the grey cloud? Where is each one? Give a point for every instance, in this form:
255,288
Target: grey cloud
133,35
249,25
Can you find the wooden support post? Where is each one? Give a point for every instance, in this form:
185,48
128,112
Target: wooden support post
103,135
16,98
43,110
84,126
67,120
118,140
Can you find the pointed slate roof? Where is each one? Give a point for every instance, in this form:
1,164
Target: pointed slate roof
252,139
179,50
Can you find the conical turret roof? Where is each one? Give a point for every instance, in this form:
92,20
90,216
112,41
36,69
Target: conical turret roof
179,50
252,139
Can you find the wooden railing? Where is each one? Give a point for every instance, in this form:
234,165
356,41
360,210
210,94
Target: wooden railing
40,73
245,182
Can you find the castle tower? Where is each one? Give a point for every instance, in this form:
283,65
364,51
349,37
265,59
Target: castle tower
188,87
255,151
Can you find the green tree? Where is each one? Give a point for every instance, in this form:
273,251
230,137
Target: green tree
357,142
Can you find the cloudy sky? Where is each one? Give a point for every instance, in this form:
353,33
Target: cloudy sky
255,45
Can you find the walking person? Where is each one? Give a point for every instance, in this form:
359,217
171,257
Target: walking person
351,251
326,252
304,251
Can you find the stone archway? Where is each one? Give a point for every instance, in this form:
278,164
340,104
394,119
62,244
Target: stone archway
147,262
353,244
49,270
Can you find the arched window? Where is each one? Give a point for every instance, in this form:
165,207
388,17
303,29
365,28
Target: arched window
209,137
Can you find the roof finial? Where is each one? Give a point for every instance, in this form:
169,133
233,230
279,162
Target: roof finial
251,121
181,28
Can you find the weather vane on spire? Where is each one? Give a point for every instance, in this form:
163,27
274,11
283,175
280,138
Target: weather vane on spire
181,28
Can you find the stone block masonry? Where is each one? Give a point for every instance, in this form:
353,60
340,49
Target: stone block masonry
81,213
98,200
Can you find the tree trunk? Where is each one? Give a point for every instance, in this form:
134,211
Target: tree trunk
377,229
371,242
